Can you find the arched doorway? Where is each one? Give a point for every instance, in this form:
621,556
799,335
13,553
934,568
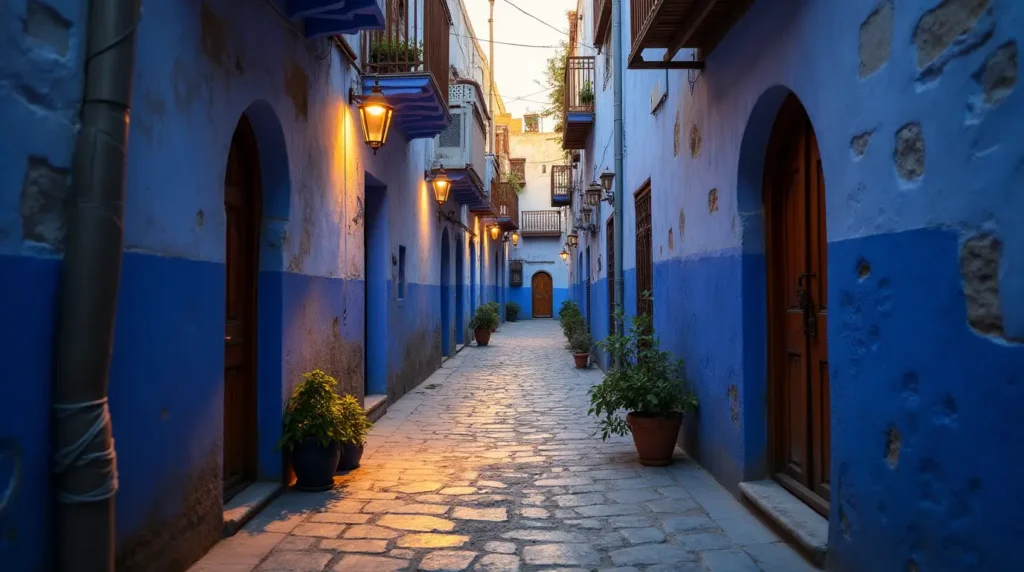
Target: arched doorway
242,208
540,288
794,199
460,326
446,324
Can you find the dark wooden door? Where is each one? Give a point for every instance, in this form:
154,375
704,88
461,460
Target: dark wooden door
798,308
242,209
610,273
540,285
644,252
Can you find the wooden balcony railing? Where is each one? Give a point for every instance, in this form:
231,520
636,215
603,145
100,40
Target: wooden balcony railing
507,205
540,223
400,47
602,20
639,12
579,84
561,183
672,25
518,169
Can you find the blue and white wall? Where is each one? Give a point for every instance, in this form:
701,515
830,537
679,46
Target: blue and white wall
200,67
538,253
917,113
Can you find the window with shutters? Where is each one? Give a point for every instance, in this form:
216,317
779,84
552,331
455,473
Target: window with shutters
644,253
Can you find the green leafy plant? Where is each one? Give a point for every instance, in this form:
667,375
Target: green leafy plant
580,342
354,424
571,319
587,94
314,411
647,382
511,310
513,178
554,74
485,318
394,51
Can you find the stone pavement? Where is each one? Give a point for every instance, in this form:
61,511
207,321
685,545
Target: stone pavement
491,465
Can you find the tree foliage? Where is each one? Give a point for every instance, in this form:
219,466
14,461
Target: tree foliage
555,75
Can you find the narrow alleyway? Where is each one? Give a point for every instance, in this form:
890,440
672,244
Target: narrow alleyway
491,465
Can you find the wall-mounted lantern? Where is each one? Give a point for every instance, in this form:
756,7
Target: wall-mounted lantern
442,187
573,239
564,254
607,178
376,115
515,238
493,229
594,194
587,216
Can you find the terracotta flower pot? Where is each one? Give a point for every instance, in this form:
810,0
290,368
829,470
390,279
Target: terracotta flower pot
654,437
482,337
582,360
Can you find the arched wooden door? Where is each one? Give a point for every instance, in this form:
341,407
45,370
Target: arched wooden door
242,208
540,286
798,308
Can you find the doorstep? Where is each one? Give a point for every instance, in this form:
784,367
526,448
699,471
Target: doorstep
247,503
375,405
808,528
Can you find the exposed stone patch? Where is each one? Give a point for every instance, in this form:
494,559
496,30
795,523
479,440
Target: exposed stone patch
863,269
876,39
675,136
671,240
859,143
893,445
296,85
910,152
696,141
682,223
945,25
734,404
713,200
980,257
46,25
44,203
998,75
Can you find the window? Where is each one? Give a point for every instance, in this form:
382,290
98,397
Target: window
543,168
644,253
401,272
515,273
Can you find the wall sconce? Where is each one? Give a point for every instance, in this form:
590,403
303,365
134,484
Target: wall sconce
494,231
607,178
375,114
442,187
515,238
504,237
564,254
573,239
594,194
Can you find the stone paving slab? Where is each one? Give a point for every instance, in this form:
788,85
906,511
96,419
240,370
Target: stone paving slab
492,464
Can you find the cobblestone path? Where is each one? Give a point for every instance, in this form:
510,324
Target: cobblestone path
491,465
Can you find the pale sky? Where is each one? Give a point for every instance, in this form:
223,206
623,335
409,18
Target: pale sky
518,69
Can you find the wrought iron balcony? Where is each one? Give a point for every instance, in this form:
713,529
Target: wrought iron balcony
561,185
330,17
507,207
540,223
412,64
578,101
602,20
673,25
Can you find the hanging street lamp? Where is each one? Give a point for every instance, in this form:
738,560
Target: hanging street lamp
587,215
376,115
594,194
564,254
515,238
573,239
494,231
606,183
442,187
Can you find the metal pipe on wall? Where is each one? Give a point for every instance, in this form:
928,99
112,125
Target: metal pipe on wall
84,461
618,136
490,72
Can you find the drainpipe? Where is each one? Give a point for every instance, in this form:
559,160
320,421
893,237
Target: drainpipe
618,136
84,462
490,72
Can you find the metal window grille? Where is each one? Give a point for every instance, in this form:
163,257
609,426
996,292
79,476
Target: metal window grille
644,255
610,255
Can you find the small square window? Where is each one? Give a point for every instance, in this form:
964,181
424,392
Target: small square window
401,272
543,168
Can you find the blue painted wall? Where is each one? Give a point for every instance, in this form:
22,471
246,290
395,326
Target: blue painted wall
903,337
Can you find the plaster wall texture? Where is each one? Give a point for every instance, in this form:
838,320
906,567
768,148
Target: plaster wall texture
914,106
200,66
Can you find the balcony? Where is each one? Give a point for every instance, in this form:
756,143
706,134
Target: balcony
672,25
459,149
578,101
540,223
561,185
517,171
489,207
412,64
507,207
602,20
330,17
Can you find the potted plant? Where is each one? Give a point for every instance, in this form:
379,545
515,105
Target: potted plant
587,94
497,315
511,311
571,319
354,428
312,431
647,383
580,343
483,323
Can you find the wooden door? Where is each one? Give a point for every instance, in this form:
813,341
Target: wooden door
644,252
242,209
540,285
798,308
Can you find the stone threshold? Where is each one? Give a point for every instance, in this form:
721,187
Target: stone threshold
247,503
375,405
808,528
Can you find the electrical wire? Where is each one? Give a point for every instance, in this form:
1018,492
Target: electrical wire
506,43
563,32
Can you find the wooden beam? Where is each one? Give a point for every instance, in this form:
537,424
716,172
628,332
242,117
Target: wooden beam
694,18
640,64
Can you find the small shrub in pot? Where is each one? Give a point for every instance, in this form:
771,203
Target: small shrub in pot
312,432
511,311
354,428
497,314
648,384
483,323
580,343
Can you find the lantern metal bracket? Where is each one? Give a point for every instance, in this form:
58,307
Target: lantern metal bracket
446,216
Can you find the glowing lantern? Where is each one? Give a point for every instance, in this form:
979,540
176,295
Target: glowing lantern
375,114
442,187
